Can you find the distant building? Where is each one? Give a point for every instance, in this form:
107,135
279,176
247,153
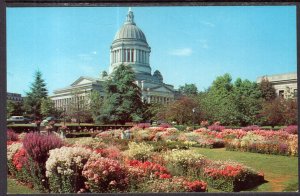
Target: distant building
284,84
15,97
130,48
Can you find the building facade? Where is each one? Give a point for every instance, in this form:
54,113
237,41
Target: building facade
15,97
284,84
130,48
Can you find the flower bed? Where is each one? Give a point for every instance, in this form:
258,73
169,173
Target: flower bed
175,184
102,165
231,176
267,142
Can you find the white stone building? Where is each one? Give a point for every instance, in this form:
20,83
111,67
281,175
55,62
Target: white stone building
130,48
284,84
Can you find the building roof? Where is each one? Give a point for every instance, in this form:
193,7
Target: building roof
279,77
129,30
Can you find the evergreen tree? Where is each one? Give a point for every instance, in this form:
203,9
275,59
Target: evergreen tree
34,97
122,101
267,90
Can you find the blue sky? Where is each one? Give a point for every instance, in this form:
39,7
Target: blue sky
188,44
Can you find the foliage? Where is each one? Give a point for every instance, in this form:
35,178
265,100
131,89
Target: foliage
150,170
12,149
231,176
216,127
291,129
267,90
33,99
95,104
111,152
78,107
14,108
12,136
188,90
251,128
279,111
143,125
139,151
105,175
269,142
122,102
218,101
48,107
248,100
154,111
181,111
64,167
89,142
38,146
180,161
175,184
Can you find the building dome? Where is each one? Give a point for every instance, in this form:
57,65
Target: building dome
130,47
130,31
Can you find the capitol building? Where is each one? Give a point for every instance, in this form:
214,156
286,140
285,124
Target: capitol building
129,47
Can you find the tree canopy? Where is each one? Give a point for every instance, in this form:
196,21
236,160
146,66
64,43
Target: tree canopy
188,89
267,90
122,102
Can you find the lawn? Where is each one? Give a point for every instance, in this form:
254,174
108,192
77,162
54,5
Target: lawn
14,187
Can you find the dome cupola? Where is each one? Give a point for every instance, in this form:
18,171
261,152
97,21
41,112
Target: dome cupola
130,47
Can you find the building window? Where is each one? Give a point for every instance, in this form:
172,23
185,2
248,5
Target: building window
295,93
281,93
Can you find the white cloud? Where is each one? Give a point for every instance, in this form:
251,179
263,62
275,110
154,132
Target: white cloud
181,52
203,43
206,23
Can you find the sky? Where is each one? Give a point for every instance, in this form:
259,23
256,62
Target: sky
189,44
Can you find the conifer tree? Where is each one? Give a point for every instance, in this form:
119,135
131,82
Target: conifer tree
34,97
122,102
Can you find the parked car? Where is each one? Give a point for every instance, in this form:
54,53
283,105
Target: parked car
18,119
48,119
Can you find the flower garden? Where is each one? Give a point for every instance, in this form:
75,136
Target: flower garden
144,159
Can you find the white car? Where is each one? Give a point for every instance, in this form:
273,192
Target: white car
18,119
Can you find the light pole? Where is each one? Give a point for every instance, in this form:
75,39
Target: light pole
194,109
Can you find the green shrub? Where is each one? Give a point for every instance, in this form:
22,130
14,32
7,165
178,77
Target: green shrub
141,151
